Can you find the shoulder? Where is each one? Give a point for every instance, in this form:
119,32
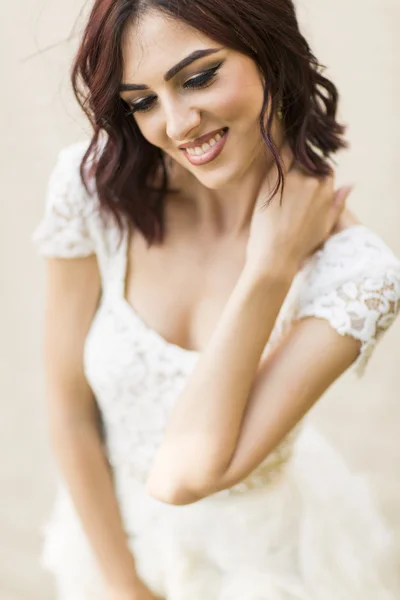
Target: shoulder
72,211
353,282
73,153
66,173
352,254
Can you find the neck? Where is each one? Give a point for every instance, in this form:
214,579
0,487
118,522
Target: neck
227,211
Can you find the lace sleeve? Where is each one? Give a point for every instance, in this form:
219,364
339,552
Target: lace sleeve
65,229
354,283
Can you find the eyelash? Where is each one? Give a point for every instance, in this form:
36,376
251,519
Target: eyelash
200,81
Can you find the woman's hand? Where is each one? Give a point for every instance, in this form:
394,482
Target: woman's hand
285,234
139,592
347,219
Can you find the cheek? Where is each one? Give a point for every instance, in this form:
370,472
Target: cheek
240,102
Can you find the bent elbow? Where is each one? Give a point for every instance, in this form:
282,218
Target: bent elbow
168,492
181,482
181,489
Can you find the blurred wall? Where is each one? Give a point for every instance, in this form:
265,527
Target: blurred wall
357,40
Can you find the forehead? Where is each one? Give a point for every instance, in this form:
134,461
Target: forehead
155,43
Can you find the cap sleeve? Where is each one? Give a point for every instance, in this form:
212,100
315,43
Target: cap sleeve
354,283
65,228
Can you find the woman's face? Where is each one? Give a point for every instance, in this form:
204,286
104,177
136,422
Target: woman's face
196,100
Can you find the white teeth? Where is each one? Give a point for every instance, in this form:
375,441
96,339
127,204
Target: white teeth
199,150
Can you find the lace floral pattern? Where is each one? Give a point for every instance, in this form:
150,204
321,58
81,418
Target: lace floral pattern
136,377
353,282
65,230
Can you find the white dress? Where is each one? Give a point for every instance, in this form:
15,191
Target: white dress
301,526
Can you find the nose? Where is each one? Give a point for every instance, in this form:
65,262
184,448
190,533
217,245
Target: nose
181,121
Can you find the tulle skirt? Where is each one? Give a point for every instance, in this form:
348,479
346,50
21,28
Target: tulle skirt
312,534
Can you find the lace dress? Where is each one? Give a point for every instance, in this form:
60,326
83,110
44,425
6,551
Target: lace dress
301,526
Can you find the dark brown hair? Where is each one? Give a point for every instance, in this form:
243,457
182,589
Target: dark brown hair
130,173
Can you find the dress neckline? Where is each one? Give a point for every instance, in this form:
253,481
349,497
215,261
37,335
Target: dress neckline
135,316
132,313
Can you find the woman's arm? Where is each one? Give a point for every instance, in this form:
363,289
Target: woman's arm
288,383
203,432
73,289
243,408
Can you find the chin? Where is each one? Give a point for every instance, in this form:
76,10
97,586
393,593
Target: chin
218,178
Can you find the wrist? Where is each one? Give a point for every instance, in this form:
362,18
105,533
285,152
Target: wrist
274,269
127,587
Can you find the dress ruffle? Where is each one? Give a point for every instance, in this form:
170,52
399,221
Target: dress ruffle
312,534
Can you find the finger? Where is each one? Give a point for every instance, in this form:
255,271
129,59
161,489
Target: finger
349,218
345,220
339,208
327,189
340,198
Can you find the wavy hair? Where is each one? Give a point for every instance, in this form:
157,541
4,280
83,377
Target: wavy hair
130,174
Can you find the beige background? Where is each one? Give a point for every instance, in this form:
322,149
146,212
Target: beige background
357,39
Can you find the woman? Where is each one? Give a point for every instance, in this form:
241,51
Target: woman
216,287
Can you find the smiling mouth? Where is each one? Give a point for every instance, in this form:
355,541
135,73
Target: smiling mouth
208,150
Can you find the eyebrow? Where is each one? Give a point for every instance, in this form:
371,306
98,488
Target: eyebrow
196,55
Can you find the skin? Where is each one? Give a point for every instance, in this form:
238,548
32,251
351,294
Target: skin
208,223
232,257
222,258
223,192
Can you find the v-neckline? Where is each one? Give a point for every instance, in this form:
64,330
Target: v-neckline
185,353
133,313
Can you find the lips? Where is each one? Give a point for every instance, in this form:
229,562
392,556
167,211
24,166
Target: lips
206,148
204,139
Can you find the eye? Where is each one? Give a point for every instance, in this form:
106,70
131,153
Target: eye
199,81
203,79
141,106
